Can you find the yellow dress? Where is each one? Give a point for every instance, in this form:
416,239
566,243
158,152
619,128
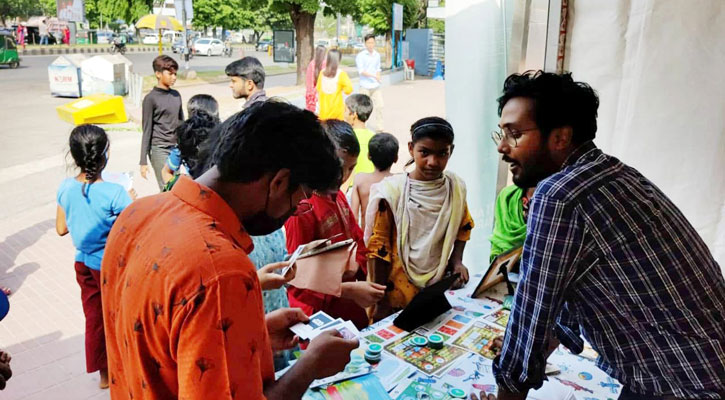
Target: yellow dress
382,245
330,91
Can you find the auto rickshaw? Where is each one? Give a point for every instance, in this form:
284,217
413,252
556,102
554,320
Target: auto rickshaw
8,51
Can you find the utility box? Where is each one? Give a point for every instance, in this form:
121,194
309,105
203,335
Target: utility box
103,74
127,66
64,75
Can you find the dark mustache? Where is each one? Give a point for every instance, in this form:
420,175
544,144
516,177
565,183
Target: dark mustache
508,160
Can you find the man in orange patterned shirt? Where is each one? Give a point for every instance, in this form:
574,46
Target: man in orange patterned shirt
182,303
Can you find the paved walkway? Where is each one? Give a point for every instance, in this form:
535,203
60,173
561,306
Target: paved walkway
44,330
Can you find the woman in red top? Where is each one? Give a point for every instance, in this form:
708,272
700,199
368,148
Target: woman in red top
313,71
332,218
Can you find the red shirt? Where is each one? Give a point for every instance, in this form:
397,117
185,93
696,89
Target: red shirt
330,217
182,305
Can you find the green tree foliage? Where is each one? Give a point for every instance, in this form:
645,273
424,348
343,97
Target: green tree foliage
264,20
110,11
303,13
438,25
49,7
18,8
378,14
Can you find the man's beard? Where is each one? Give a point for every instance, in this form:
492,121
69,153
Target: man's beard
535,170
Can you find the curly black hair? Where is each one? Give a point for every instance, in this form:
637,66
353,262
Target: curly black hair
190,134
558,101
89,148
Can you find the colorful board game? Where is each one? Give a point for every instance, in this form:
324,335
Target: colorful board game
479,338
366,387
426,359
383,335
500,317
482,320
413,390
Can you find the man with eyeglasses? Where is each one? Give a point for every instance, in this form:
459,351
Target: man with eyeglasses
607,256
182,303
247,80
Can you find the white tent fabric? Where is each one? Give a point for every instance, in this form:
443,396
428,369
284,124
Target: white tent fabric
658,68
476,31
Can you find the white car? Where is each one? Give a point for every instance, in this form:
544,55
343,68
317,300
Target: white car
209,47
151,39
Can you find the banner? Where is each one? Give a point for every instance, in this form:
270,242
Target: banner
72,10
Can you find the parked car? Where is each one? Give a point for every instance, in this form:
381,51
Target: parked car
171,36
358,46
237,37
263,45
104,37
209,47
178,46
151,39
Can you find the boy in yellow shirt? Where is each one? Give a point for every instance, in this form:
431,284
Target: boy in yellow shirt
358,108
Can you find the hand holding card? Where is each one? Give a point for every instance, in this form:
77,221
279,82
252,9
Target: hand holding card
317,320
291,261
278,326
270,280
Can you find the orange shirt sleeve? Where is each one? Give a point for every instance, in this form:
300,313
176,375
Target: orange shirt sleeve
222,343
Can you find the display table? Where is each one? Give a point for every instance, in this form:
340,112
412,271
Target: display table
463,365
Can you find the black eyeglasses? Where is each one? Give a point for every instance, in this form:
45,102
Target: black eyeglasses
511,136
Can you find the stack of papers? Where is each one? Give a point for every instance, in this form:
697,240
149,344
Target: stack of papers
320,322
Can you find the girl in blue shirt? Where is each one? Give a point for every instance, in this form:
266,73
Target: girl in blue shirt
87,208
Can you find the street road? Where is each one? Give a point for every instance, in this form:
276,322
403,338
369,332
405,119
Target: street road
34,141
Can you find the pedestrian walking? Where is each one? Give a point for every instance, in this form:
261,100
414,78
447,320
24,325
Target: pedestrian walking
43,29
313,72
331,84
21,33
87,209
368,65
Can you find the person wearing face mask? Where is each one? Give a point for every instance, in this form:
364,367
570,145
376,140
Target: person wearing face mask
332,218
182,302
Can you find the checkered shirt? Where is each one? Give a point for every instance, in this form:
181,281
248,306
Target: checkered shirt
609,257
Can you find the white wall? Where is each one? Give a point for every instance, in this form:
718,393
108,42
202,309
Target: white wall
475,71
658,68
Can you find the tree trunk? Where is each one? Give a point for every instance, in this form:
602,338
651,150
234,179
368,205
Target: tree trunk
304,23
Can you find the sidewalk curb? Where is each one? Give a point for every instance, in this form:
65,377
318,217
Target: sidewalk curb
88,50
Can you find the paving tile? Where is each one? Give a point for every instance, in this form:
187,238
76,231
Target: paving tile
44,330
